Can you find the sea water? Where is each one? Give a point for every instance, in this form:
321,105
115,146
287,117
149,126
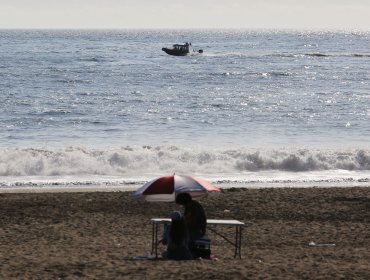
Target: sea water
257,108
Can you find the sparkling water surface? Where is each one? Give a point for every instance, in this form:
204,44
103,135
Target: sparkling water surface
111,103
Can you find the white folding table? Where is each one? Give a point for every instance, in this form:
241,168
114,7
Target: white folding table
212,224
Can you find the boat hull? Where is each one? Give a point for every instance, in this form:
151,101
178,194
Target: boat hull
174,52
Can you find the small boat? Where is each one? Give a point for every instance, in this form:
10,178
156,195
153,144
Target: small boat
180,50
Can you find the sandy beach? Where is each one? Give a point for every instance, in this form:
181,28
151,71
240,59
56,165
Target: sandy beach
96,235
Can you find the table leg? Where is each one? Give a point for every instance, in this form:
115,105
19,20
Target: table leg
156,241
153,241
238,241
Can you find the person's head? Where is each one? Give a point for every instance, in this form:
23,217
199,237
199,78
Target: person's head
183,198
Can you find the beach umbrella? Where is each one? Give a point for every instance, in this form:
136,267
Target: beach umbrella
167,187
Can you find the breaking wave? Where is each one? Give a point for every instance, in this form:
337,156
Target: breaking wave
130,167
164,159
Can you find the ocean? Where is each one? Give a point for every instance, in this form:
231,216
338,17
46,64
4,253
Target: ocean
259,108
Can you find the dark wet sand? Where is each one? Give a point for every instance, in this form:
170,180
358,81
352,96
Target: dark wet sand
95,235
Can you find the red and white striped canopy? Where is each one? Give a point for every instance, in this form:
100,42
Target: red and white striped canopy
166,188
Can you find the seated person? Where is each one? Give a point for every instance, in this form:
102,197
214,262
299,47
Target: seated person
196,223
176,239
194,215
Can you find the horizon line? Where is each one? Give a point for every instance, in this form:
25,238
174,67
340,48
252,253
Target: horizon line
338,29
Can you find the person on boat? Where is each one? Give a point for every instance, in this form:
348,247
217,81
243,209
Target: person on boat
187,45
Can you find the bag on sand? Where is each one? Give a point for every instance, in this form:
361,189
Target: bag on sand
202,247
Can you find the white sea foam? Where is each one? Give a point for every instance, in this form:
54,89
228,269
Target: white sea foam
133,165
